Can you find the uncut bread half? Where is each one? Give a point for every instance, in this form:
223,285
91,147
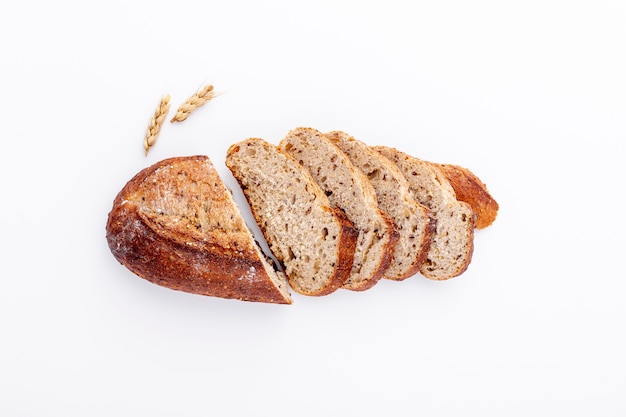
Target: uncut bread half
314,241
175,224
469,188
348,189
453,244
416,223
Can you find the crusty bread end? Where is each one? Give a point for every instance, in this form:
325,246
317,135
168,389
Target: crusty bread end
175,224
469,188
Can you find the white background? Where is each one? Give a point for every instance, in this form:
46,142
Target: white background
529,95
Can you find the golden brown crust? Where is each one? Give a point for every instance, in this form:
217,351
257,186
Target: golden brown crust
469,188
221,263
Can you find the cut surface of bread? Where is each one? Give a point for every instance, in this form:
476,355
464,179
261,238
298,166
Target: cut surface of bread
416,223
176,224
348,189
314,241
469,188
453,243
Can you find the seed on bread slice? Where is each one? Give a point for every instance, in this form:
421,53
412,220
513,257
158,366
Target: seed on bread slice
314,241
453,243
416,223
469,188
176,224
348,189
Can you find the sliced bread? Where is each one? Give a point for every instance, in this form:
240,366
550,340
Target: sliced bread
453,243
469,188
314,241
175,224
416,223
348,189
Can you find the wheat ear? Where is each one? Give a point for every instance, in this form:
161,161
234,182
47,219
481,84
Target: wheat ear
156,122
197,100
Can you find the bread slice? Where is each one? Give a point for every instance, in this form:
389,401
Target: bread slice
348,189
175,224
416,223
314,241
469,188
453,244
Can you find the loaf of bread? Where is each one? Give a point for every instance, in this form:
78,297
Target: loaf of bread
335,212
314,241
469,188
348,189
416,223
453,243
175,224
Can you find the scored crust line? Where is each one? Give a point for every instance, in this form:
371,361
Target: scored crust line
199,99
156,122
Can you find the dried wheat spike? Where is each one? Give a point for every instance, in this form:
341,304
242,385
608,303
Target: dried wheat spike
197,100
156,122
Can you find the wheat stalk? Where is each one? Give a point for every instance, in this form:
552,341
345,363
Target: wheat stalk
199,99
156,122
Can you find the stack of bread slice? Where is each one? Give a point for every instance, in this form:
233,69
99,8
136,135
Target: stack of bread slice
410,216
314,241
335,212
349,190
